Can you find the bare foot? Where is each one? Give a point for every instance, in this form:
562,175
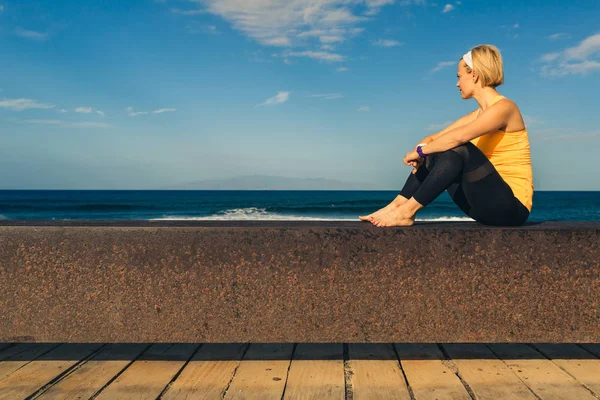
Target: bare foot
397,216
397,202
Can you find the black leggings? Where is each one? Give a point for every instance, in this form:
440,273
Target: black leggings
472,182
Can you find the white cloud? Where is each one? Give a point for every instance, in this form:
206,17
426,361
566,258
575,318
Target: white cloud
132,113
23,104
328,47
573,136
530,120
279,98
331,39
187,12
317,55
62,110
42,121
589,46
448,8
88,110
387,43
64,124
557,36
24,33
443,64
342,69
438,127
328,96
89,125
549,57
301,24
582,59
363,109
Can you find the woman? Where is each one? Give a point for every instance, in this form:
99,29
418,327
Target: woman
482,159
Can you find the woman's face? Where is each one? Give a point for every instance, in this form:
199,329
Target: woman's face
465,81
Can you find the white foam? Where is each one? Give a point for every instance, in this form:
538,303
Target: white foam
260,214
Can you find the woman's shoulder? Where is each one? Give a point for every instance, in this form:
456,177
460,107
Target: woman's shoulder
505,101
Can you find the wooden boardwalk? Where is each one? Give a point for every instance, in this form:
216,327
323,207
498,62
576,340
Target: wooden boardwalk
299,371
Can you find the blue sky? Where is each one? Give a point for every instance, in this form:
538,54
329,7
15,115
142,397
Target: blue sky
146,94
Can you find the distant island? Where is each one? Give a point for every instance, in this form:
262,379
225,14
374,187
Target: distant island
265,182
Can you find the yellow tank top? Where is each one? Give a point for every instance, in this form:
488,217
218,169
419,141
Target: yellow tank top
510,154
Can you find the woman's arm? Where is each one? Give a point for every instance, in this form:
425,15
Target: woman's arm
458,123
494,118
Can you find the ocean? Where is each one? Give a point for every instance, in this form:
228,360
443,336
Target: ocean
258,205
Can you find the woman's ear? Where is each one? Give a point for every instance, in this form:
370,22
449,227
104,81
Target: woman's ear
475,77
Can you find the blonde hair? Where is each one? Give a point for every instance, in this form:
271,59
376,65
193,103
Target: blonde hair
487,62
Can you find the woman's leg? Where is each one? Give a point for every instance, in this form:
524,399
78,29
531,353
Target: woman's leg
473,183
410,187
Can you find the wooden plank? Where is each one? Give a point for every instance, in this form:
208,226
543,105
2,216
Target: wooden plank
486,375
580,364
91,376
209,372
316,372
36,374
541,375
428,376
17,356
262,373
147,377
374,372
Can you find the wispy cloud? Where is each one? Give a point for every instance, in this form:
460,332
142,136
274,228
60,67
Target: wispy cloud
573,136
23,104
132,113
33,35
443,64
363,109
317,55
387,43
328,96
279,98
62,110
342,69
187,12
65,124
303,24
448,8
1,8
202,29
577,60
511,30
530,120
557,36
163,110
437,127
88,110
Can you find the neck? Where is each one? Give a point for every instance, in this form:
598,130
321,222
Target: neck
485,96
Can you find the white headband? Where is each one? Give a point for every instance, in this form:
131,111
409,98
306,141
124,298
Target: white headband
468,59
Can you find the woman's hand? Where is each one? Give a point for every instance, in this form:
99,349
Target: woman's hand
413,159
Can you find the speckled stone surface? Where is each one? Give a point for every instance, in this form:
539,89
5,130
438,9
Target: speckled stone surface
104,281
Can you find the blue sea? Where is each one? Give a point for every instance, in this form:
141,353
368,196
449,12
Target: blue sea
258,205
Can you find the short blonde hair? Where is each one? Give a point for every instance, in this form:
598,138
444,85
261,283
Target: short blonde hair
487,62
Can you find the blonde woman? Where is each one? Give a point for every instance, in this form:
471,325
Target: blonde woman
482,159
